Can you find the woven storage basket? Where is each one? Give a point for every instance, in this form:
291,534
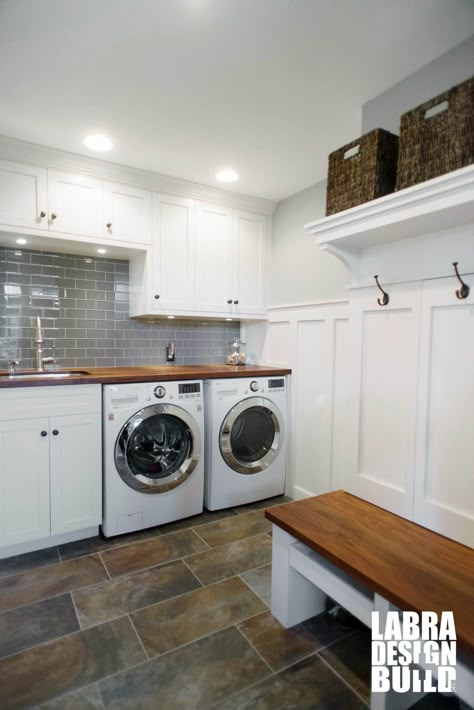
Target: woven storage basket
368,173
437,136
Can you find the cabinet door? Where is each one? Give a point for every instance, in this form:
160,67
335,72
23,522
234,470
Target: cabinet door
213,285
173,253
24,480
23,195
383,346
75,204
249,257
128,211
76,472
444,481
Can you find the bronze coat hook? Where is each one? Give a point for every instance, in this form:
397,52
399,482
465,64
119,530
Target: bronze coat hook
462,292
384,301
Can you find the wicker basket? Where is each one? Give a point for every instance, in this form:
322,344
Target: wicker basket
362,170
437,136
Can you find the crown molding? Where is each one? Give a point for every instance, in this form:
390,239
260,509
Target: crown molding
34,154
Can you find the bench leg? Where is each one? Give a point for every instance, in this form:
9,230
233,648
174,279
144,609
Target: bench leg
294,598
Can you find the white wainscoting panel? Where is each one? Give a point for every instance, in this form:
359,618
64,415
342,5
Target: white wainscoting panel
311,339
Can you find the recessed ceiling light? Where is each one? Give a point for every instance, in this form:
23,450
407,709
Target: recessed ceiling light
88,261
101,251
98,142
227,175
228,318
170,317
18,253
21,241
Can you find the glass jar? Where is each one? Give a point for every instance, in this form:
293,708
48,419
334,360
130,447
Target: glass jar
236,356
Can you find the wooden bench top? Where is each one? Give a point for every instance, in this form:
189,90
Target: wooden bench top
414,568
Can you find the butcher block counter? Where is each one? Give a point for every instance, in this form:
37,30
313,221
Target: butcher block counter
114,375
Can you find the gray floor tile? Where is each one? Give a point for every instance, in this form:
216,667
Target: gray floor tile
30,560
234,558
101,543
84,699
123,595
308,685
152,552
260,580
178,621
29,587
351,659
207,516
192,677
236,528
48,671
36,623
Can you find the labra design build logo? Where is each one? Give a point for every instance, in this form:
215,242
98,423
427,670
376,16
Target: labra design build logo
408,639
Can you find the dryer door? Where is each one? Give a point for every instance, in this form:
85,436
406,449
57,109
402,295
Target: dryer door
158,448
251,435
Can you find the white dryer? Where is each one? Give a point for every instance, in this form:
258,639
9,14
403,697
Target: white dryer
153,454
245,440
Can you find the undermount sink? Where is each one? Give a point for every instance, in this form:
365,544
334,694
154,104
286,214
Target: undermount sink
54,374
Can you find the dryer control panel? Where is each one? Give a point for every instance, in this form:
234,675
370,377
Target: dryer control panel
189,390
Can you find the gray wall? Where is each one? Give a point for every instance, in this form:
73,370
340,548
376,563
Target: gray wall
450,69
300,271
83,305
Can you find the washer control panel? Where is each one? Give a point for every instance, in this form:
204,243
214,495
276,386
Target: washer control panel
189,390
276,385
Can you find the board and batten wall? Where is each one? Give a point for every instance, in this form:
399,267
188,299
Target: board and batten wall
312,340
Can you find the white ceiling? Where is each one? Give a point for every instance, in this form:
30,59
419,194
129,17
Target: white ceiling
184,87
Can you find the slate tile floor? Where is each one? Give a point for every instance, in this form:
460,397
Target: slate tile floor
171,618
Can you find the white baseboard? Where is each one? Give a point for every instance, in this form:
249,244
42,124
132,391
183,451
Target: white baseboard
298,493
45,542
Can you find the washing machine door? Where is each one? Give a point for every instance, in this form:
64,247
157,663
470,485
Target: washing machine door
251,435
158,448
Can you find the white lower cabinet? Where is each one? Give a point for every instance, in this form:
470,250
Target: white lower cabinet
24,480
50,462
76,489
444,478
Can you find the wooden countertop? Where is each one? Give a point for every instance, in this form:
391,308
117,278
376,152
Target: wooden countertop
409,565
113,375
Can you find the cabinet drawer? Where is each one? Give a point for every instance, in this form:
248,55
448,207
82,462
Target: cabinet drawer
32,402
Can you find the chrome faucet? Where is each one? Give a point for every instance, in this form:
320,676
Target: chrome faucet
40,360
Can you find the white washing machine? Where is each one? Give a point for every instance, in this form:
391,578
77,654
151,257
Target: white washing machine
245,440
153,454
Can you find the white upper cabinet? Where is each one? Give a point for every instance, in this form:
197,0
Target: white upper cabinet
23,195
127,213
249,260
173,254
384,342
444,488
213,274
75,204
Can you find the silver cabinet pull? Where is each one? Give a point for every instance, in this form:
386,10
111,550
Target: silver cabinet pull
109,225
42,214
54,215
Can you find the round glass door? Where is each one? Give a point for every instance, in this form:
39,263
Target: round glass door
250,435
158,448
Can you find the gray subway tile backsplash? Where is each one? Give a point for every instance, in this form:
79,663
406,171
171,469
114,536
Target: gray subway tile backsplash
83,305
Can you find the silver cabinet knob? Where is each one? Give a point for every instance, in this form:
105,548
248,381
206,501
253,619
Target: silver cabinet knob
42,214
54,215
157,295
236,302
109,225
229,300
